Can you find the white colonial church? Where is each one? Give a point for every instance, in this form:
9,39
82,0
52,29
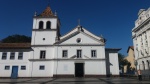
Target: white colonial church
79,53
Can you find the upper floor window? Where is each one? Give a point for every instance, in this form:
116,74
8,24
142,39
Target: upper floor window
42,54
93,53
41,25
4,56
12,55
145,36
65,53
48,25
147,15
79,53
20,55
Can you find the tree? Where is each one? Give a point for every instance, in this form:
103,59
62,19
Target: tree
122,61
16,39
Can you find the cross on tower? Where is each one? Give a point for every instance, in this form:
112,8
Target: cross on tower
79,22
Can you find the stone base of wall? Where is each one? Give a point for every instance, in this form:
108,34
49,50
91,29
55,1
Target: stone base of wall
112,75
72,76
64,76
94,76
85,76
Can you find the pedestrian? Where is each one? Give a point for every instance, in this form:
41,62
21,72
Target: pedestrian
139,75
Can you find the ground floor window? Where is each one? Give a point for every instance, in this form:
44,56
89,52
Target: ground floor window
42,67
23,67
7,67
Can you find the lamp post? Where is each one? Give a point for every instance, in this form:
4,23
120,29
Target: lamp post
136,63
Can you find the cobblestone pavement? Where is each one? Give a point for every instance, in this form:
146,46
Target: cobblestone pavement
73,81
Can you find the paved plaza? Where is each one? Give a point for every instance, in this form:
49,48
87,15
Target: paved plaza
73,81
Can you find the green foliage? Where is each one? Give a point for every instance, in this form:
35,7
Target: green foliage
16,39
122,61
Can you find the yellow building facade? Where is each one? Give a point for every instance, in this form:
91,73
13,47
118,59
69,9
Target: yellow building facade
130,58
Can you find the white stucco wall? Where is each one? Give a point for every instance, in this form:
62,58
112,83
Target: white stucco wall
114,67
37,37
47,72
86,51
84,40
15,62
49,52
63,67
76,29
95,68
67,67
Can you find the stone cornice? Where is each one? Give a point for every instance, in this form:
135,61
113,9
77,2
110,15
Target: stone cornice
44,29
41,45
45,16
141,25
80,44
98,59
67,45
142,57
133,36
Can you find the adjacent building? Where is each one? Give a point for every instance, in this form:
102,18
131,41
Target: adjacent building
79,53
141,41
130,58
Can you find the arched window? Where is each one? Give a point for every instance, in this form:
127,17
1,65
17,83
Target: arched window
143,65
148,67
41,25
48,25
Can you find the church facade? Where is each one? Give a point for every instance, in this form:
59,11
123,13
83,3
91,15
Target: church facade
79,53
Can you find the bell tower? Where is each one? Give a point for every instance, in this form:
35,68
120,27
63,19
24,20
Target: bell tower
46,28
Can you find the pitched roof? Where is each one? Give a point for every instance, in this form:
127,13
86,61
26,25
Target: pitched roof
77,30
47,12
80,28
15,45
130,47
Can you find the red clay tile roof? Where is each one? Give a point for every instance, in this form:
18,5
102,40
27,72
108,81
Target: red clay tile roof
15,45
47,12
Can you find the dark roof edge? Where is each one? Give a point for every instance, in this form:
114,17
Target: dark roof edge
15,45
116,49
130,47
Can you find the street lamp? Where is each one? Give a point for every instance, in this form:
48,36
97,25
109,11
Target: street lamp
136,63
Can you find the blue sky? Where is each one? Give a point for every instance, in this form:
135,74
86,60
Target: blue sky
114,19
